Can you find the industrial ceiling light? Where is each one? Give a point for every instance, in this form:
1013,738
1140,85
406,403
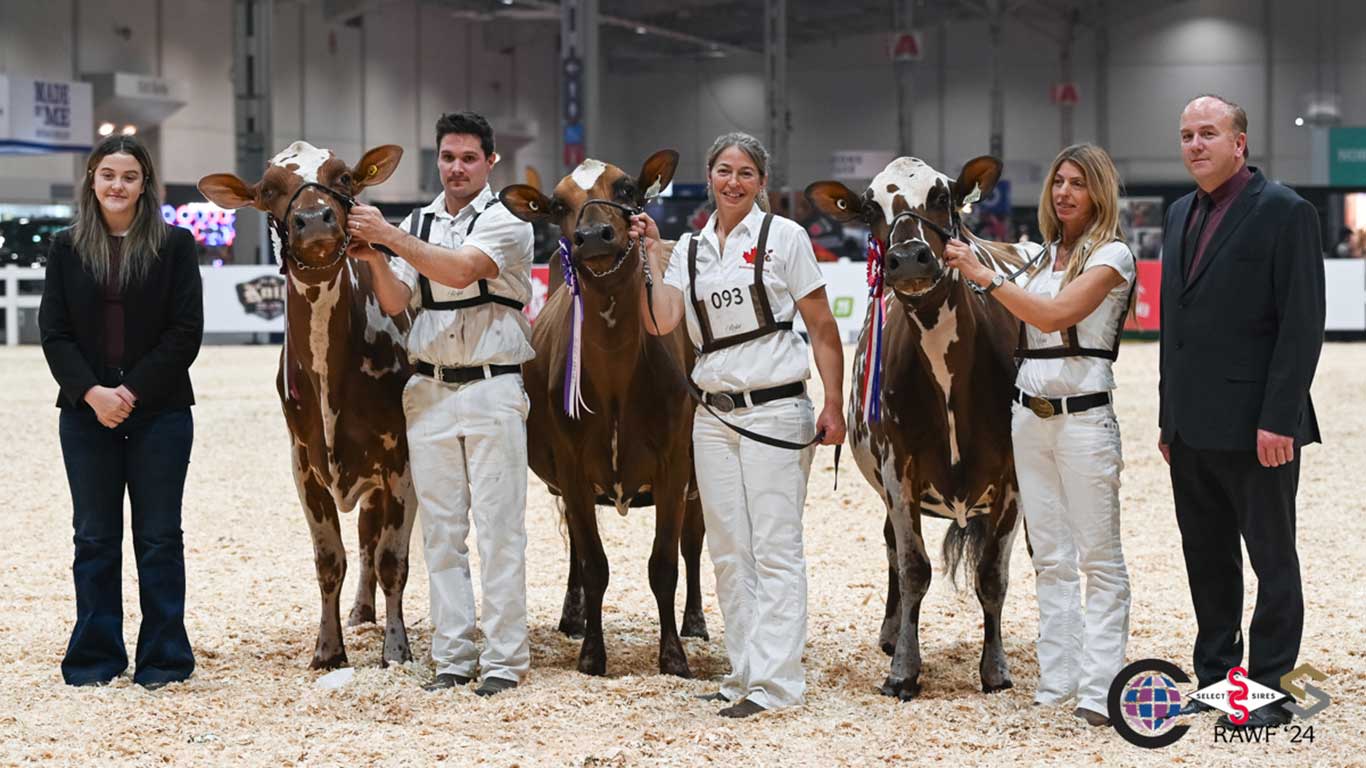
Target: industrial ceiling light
129,130
1299,121
640,30
106,129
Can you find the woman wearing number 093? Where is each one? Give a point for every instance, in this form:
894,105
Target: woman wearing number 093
738,284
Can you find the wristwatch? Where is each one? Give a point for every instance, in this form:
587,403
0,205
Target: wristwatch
996,282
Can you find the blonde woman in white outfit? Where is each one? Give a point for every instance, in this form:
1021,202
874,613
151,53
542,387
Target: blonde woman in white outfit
739,283
1066,438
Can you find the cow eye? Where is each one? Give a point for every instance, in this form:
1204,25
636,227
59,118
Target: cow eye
557,207
345,180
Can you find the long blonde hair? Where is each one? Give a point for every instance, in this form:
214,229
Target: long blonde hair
1102,184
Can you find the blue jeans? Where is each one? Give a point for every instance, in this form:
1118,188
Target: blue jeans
148,455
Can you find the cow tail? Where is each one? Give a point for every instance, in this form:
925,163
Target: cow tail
965,541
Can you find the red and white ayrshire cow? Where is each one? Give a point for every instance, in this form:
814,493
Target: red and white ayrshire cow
341,378
634,447
942,446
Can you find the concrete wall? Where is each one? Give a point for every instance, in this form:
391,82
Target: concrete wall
386,81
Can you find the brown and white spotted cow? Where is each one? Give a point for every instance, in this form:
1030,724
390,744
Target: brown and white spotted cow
942,445
632,446
341,378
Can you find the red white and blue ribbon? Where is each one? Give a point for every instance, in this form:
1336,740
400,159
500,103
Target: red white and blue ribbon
573,364
871,386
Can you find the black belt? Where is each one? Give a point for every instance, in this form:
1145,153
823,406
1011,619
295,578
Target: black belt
725,402
1044,407
463,375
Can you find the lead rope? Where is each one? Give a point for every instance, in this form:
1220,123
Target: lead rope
701,399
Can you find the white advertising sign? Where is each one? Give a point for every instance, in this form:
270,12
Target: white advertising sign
846,286
44,115
243,299
1345,291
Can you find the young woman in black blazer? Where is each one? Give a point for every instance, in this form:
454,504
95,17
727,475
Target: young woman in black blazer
121,318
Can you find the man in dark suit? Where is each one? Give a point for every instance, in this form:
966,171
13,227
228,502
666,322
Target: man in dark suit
1242,328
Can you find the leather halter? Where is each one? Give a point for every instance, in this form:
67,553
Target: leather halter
282,228
953,232
628,212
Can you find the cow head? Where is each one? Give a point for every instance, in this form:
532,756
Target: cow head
912,209
597,232
308,192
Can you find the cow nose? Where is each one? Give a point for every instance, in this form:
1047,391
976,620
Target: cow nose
321,222
594,236
914,260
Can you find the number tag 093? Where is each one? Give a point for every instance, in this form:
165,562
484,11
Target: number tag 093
731,310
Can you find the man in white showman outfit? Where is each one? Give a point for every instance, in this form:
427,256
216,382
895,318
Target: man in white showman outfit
464,265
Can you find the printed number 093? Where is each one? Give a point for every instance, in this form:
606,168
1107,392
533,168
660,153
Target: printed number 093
731,297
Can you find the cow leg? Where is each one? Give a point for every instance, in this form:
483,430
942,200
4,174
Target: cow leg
367,524
913,571
993,577
891,620
593,572
391,560
694,536
670,507
571,613
329,559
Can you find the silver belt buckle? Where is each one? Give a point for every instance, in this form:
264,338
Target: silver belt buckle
723,402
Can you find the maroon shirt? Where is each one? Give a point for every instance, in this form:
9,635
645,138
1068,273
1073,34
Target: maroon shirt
113,307
1222,199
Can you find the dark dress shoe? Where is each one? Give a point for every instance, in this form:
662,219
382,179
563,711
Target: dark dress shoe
1095,719
446,680
716,696
492,686
156,685
1272,715
1193,707
742,708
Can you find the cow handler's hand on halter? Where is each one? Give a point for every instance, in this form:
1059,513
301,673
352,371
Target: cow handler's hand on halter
368,224
957,255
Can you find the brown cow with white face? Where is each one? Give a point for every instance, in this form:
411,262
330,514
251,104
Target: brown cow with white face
942,446
341,378
633,447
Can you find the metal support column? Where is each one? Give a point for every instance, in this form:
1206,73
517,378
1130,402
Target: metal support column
995,18
902,13
251,28
579,77
1101,28
775,70
1066,111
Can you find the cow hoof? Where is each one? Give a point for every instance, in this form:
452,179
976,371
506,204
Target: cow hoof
336,661
572,627
674,662
888,648
695,625
361,614
593,658
1004,685
400,654
904,689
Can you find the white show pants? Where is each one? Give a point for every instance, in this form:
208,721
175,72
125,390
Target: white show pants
1068,467
467,446
752,499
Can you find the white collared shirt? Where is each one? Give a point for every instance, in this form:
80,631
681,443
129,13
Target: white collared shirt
1067,376
790,274
487,334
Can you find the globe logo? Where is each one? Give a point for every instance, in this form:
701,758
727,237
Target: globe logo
1151,703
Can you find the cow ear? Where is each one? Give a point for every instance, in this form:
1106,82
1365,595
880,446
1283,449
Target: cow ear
376,166
227,191
656,174
525,202
978,178
835,200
